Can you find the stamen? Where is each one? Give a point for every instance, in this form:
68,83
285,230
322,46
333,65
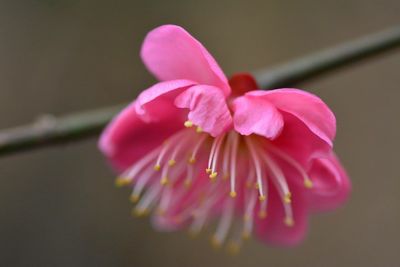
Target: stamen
225,222
213,158
165,200
306,180
166,147
189,178
257,164
164,180
188,124
178,148
148,199
280,179
289,221
262,214
226,157
127,176
237,236
134,198
233,159
144,178
216,155
119,182
192,158
250,203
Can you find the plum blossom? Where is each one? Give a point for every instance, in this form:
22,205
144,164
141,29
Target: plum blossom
199,148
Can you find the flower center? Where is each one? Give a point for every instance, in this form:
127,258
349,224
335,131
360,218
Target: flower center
242,83
192,177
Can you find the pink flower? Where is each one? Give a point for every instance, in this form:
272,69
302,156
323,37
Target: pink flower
196,147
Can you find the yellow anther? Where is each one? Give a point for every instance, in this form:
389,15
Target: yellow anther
262,214
213,175
121,182
134,198
140,212
249,184
177,219
160,212
193,233
188,124
225,176
262,197
257,186
164,181
215,242
208,170
287,199
191,160
187,183
289,221
171,162
195,213
233,194
233,248
157,167
246,235
199,129
308,183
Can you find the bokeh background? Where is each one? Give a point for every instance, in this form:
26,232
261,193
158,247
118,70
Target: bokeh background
59,207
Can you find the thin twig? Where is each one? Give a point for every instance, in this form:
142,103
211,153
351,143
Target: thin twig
50,130
328,60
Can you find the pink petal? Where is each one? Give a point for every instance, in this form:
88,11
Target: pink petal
310,109
207,107
128,138
163,92
299,142
331,184
273,230
255,115
171,53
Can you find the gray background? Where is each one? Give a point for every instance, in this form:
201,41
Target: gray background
58,206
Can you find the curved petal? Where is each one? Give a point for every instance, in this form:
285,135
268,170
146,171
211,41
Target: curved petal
331,184
163,92
171,53
273,230
255,115
207,107
128,138
297,140
310,109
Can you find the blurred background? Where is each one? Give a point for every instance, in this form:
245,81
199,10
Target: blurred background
59,206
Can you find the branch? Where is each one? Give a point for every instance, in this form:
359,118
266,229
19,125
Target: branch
328,60
50,130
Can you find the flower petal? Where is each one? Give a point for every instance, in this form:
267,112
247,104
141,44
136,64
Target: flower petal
255,115
164,93
299,142
331,184
128,138
273,230
207,107
310,109
171,53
